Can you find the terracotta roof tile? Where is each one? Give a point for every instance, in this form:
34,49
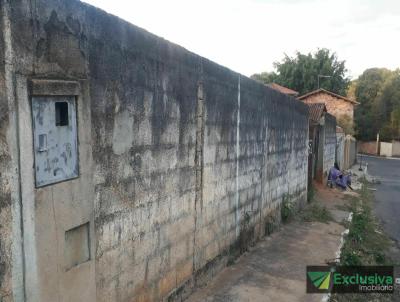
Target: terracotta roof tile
321,90
283,89
316,110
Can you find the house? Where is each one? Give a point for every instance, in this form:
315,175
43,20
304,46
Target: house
283,89
337,105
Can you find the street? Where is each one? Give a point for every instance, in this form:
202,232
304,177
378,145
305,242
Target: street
387,206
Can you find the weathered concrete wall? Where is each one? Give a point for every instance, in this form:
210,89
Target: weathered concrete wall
183,162
340,149
346,151
11,247
350,155
5,189
252,158
329,143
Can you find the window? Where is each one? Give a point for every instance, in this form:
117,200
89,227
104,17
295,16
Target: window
61,114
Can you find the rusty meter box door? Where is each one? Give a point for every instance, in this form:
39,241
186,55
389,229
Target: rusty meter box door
55,139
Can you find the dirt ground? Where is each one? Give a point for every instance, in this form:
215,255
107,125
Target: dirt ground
275,269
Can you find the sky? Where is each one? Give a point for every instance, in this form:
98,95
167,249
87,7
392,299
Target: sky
248,36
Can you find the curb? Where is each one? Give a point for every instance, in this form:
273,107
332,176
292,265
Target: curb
326,297
380,157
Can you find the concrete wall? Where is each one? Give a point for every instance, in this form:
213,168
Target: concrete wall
396,148
183,163
340,149
385,149
329,149
350,152
367,147
6,173
346,151
326,146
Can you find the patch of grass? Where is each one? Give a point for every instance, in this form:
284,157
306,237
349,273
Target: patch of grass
316,212
365,244
310,193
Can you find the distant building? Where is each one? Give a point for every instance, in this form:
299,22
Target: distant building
336,104
283,89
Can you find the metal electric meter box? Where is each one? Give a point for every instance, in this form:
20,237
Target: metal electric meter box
55,139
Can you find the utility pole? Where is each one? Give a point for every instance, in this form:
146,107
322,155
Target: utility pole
322,76
377,144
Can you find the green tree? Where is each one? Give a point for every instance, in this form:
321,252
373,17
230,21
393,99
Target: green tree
395,123
265,77
346,122
351,90
378,91
301,72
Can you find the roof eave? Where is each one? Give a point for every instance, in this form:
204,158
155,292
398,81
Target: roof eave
320,90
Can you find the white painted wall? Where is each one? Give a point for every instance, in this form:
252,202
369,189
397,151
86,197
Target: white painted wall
396,148
386,149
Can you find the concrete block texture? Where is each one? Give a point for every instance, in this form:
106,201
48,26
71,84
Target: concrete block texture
329,144
183,163
346,151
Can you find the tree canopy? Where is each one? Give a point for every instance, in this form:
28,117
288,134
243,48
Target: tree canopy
378,91
301,72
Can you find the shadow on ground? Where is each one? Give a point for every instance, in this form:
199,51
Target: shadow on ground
275,269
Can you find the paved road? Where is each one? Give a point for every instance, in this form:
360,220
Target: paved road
387,206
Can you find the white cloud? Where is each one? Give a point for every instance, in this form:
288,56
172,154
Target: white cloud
249,35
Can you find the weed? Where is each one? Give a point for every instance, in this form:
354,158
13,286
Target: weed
310,193
316,212
271,223
287,208
365,244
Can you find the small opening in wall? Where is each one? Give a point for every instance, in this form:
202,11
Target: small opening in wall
62,114
42,142
77,246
